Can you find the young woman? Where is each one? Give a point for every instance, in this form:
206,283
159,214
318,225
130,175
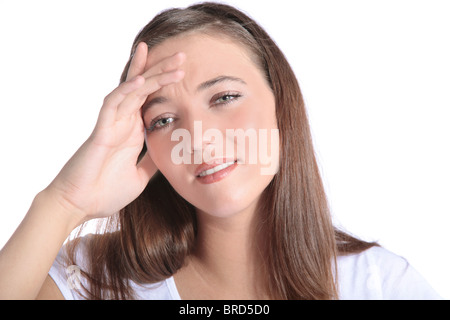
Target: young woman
187,217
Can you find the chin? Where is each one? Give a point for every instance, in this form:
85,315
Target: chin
223,211
226,206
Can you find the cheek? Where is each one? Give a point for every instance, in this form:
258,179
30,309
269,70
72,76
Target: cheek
260,117
258,112
159,149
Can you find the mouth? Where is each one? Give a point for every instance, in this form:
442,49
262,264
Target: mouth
211,173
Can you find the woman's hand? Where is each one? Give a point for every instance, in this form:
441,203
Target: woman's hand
103,176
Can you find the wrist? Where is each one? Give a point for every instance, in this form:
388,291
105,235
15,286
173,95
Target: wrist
58,210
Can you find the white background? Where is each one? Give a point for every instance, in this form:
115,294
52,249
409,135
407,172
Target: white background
375,76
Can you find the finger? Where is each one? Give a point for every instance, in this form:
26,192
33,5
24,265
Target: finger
134,101
158,71
112,101
137,65
167,64
118,94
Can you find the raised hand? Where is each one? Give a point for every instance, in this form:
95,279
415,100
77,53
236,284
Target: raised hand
103,176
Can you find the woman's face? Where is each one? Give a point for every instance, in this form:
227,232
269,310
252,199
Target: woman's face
193,135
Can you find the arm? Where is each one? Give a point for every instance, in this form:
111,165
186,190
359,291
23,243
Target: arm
90,184
30,252
49,291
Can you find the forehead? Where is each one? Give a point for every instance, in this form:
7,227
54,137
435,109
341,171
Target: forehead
204,52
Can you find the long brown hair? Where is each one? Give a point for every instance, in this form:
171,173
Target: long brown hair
149,240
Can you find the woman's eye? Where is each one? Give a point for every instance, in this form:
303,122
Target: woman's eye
226,98
160,123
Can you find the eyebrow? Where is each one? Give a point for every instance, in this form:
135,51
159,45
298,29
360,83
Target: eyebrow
203,86
208,84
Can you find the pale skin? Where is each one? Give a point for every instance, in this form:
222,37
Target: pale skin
227,262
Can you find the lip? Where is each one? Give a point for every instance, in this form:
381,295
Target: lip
217,176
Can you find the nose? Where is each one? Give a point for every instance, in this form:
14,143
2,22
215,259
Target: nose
196,130
206,140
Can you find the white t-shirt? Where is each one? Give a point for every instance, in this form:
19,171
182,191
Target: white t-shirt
374,274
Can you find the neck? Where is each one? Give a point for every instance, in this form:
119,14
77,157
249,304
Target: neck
229,254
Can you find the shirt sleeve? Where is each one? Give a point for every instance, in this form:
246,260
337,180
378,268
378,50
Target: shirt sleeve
398,279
